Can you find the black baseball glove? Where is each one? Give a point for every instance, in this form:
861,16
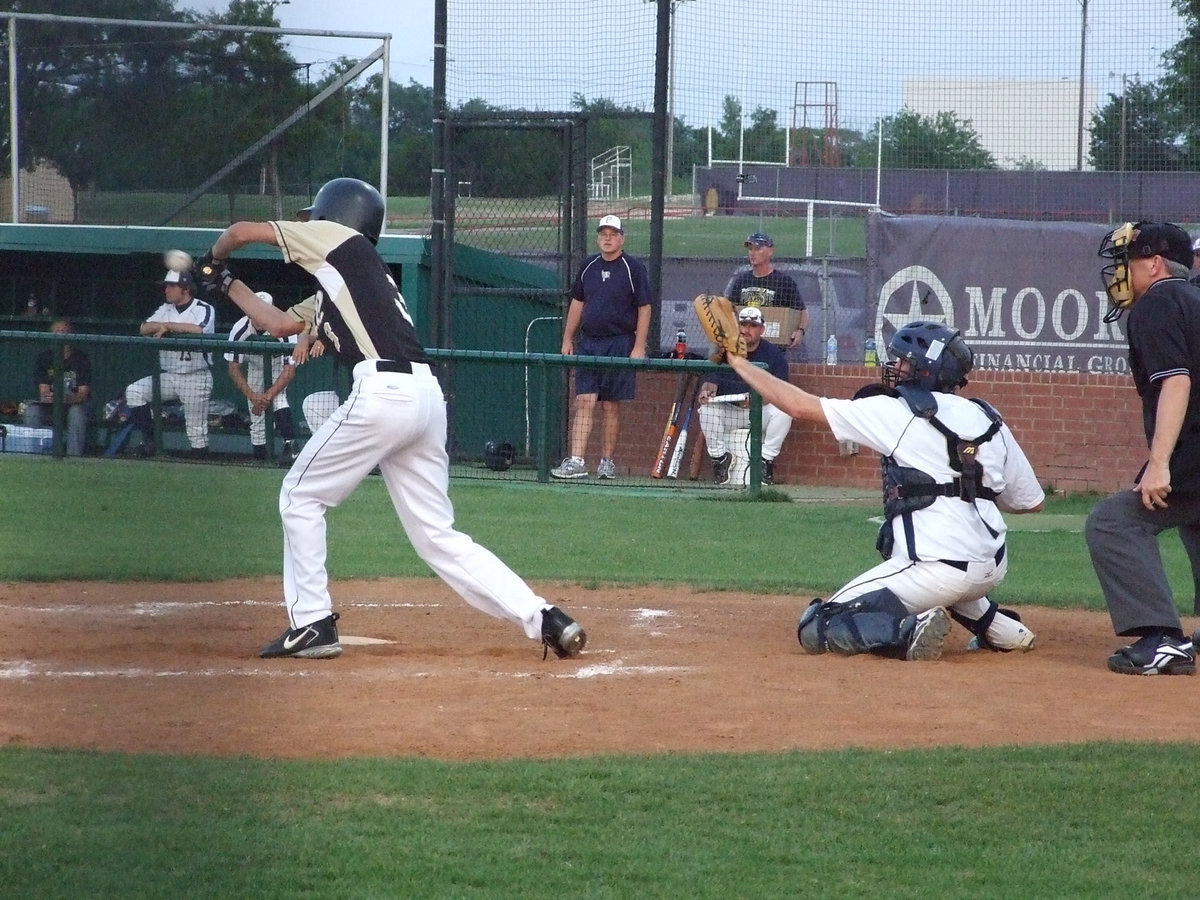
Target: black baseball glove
214,276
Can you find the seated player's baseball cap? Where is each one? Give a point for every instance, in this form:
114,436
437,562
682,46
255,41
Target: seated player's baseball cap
611,222
751,314
1196,246
1161,239
183,279
759,239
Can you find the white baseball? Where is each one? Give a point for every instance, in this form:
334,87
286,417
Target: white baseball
177,261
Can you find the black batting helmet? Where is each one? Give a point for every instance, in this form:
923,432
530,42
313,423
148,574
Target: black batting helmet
352,203
498,456
939,359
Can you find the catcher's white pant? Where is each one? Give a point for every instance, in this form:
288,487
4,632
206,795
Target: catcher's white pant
717,420
254,378
192,390
922,586
397,422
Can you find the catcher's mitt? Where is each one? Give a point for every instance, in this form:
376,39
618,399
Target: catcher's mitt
720,324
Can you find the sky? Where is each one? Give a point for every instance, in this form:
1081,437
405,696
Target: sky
539,53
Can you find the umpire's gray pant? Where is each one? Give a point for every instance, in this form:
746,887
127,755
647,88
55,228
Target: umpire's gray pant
1122,537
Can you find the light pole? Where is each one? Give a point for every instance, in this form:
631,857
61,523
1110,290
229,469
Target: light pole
670,167
1082,58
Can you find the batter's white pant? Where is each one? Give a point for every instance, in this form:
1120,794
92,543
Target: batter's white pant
397,422
923,586
717,420
192,390
254,378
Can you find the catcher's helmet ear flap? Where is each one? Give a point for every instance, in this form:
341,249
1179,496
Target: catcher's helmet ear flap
352,203
498,456
938,358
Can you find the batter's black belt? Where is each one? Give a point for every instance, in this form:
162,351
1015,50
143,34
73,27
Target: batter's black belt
962,565
397,366
393,365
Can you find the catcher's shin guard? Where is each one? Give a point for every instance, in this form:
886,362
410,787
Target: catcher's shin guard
979,627
875,623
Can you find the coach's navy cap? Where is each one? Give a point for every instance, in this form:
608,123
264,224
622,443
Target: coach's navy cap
183,279
759,239
1161,239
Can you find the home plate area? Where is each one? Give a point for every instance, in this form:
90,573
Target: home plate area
174,668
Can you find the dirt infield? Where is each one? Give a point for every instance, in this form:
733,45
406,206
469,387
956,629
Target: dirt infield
174,669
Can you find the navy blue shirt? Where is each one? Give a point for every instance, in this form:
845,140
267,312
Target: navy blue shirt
612,293
728,382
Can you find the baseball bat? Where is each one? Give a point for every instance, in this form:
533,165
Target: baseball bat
681,441
664,450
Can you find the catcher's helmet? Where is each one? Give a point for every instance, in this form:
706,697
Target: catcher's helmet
938,358
498,456
351,202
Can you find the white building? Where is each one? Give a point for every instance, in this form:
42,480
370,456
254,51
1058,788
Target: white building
1016,119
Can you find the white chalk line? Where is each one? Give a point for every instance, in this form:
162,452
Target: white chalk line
28,670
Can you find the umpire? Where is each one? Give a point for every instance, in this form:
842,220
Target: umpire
1147,274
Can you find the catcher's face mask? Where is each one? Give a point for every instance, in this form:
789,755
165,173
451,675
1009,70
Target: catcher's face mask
1115,275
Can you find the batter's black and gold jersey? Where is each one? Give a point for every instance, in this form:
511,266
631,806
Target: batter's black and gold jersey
358,313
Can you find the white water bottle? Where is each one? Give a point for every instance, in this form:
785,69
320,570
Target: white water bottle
831,350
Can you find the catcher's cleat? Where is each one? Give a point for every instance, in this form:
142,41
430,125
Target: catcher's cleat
571,467
928,636
721,467
561,633
1155,655
318,640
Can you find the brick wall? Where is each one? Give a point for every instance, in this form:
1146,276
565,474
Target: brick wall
1080,432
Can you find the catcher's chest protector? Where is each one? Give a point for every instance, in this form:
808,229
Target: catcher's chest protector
906,490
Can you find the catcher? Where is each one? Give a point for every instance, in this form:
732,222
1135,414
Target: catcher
950,465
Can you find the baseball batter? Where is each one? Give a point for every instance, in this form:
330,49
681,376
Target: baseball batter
950,465
260,395
394,418
186,376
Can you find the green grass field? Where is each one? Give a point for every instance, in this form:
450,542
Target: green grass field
504,225
1098,820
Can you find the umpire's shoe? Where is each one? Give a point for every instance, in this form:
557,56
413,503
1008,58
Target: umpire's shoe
1155,654
561,633
316,641
721,467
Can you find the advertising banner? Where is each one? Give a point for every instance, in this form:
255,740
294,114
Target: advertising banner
1027,296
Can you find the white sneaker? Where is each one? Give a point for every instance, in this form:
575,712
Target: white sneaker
606,469
571,467
928,636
